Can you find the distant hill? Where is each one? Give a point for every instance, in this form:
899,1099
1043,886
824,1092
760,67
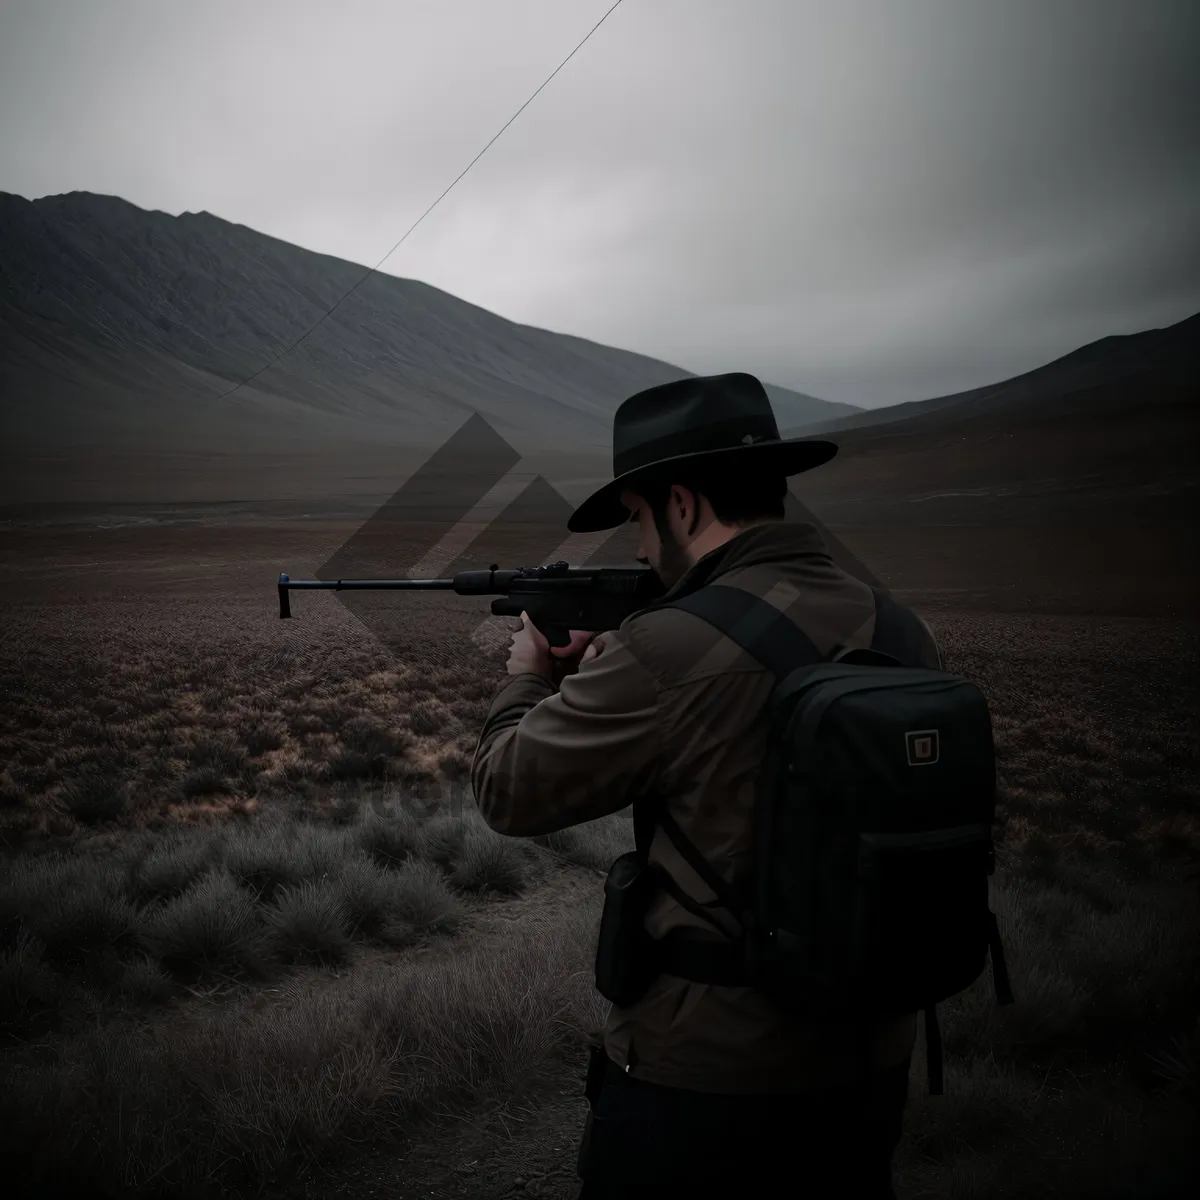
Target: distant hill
1162,359
1070,488
120,326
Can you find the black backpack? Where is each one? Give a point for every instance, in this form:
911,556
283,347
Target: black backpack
873,831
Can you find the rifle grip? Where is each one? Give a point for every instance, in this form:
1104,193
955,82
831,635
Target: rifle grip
507,606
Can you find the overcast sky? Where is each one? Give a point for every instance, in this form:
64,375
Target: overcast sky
870,202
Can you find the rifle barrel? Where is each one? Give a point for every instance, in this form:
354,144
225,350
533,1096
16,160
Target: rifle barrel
343,585
340,585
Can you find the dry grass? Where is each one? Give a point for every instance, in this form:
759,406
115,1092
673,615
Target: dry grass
208,718
1102,972
265,950
1097,732
161,972
238,1093
595,844
239,901
1093,1071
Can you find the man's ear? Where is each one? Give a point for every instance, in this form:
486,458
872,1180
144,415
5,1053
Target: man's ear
680,498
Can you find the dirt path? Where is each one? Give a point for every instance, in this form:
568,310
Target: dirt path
510,1152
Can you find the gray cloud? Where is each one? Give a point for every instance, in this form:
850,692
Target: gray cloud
871,202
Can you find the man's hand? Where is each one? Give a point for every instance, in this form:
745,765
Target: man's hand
531,652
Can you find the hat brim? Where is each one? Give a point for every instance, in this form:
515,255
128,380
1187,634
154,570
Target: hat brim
792,456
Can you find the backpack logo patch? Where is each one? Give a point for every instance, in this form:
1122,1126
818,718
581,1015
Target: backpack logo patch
922,745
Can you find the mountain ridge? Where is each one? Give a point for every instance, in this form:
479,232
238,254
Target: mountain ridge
1167,357
121,323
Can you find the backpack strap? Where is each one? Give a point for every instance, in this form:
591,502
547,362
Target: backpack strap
933,1051
1000,979
727,896
779,643
781,646
650,812
756,625
646,813
898,631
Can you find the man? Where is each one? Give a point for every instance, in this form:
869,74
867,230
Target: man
706,1089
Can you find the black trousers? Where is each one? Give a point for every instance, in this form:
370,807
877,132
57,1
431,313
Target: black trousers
644,1140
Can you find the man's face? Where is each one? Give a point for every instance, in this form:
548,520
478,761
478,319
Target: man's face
665,556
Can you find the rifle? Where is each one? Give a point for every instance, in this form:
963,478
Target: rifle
557,597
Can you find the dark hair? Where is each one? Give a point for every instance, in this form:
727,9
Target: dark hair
737,496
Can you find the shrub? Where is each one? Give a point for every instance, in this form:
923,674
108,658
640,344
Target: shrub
204,781
302,723
26,881
1177,1065
214,925
366,892
455,765
420,903
342,808
95,798
28,986
263,858
426,718
168,870
472,710
490,863
221,754
310,923
346,763
12,795
263,736
74,905
38,778
374,739
142,979
83,921
158,767
319,851
412,779
443,839
389,838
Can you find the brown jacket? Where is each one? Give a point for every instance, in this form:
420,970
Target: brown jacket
672,707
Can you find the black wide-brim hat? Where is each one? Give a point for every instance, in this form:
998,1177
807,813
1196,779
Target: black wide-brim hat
715,418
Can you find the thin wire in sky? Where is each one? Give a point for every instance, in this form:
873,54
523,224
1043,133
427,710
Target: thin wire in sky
369,273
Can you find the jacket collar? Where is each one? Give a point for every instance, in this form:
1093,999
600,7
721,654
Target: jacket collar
770,542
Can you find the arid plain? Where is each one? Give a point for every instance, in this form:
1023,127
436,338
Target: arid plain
256,939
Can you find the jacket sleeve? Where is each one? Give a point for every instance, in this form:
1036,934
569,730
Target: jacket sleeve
547,760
